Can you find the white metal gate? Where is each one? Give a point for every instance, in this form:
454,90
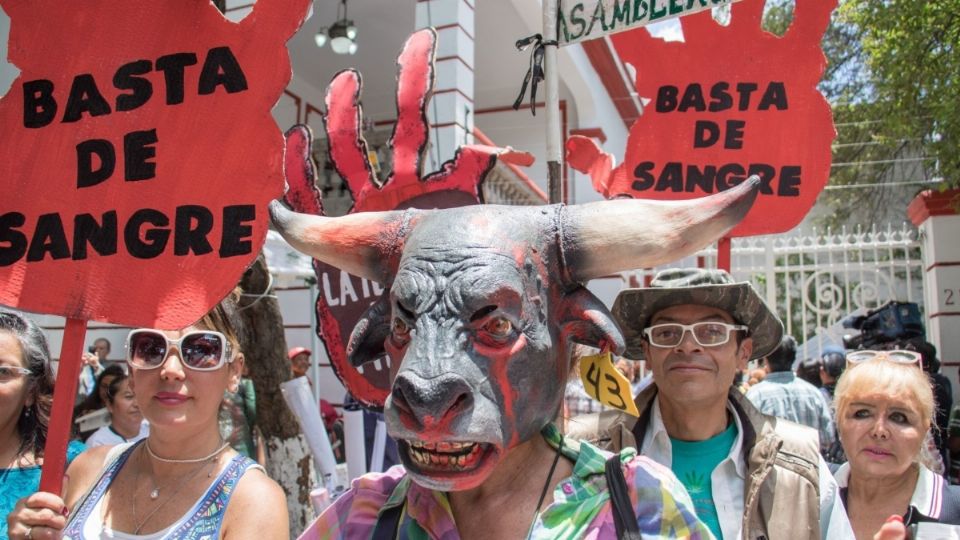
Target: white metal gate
813,280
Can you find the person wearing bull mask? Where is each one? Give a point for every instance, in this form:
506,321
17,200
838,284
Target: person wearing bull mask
485,303
750,475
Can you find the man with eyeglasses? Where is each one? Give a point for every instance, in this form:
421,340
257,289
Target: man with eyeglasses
750,475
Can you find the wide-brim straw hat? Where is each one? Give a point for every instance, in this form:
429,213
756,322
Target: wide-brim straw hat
633,308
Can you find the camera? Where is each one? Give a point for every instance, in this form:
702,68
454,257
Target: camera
91,349
890,322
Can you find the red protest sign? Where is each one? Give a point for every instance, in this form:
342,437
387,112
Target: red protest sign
726,103
344,299
139,155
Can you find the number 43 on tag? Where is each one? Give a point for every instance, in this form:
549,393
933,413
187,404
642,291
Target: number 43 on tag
604,383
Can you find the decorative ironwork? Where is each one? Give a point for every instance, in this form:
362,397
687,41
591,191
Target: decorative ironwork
814,279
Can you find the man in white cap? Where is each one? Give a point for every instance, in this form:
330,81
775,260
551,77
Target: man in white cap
750,475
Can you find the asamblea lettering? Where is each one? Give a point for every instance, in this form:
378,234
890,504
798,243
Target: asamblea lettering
579,20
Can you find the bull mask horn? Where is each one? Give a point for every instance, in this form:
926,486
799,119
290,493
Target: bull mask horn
606,237
365,244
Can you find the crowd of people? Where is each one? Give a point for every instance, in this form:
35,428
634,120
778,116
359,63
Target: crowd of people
856,453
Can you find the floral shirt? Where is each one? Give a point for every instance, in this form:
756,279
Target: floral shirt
580,507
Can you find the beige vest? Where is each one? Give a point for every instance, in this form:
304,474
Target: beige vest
781,493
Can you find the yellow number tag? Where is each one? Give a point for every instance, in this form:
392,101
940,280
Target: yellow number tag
604,382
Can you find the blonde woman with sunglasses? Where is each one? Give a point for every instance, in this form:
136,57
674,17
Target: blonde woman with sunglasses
183,481
884,408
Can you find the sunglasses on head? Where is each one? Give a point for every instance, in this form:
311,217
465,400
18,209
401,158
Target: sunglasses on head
201,350
896,356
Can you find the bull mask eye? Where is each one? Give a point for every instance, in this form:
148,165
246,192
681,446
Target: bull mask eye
499,327
400,328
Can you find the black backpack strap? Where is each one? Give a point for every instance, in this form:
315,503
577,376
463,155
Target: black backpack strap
624,518
388,523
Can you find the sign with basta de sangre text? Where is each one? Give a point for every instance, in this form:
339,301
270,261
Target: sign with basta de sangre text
138,155
726,103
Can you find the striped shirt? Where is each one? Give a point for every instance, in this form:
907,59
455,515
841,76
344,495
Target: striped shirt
927,498
580,507
784,395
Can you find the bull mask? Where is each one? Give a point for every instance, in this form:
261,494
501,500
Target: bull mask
484,305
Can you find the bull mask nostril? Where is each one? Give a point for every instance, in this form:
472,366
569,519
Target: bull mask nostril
462,403
429,401
399,402
398,399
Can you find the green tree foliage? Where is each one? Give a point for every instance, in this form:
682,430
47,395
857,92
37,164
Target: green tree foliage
893,81
887,166
845,78
910,47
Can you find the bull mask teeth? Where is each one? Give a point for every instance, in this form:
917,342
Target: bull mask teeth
445,455
443,447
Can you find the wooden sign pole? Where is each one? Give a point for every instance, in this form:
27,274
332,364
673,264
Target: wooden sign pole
61,415
552,105
723,253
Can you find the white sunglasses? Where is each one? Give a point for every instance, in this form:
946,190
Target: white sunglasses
201,350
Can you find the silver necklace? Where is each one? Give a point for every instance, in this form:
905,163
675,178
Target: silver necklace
195,460
155,493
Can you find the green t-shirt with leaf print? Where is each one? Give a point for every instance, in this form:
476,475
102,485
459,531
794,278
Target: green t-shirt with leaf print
694,462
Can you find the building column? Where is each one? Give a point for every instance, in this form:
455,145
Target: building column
450,112
935,214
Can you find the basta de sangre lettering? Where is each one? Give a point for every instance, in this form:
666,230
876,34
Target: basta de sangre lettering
722,97
130,159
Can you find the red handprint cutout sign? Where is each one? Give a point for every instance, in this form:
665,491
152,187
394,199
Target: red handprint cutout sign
344,298
726,103
138,154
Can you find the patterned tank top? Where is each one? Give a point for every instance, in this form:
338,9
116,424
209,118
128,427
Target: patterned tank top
201,522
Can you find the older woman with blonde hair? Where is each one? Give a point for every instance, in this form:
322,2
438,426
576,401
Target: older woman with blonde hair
884,408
